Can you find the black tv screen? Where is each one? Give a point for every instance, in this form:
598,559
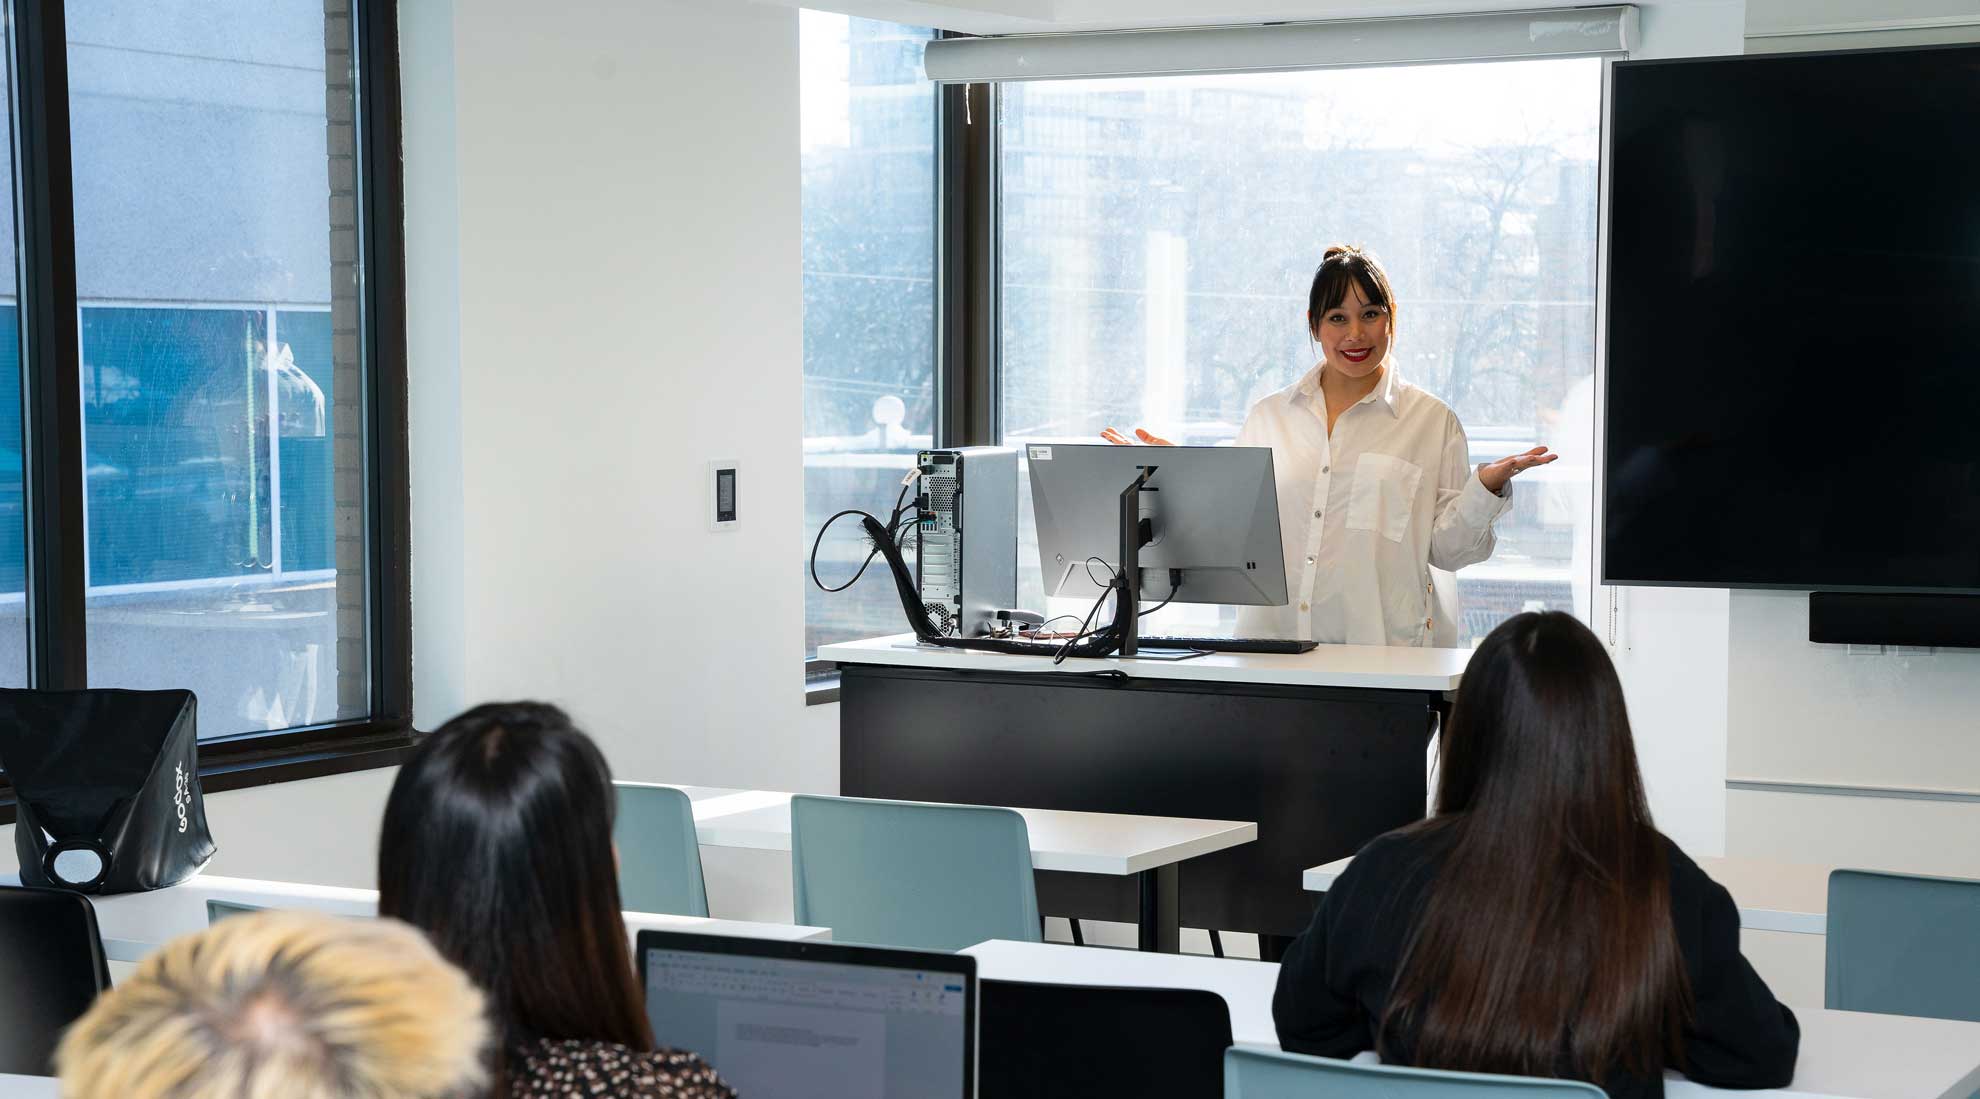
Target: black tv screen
1793,394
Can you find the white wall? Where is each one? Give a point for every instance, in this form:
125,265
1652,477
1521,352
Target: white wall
622,185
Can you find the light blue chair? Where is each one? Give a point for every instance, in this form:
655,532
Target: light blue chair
659,855
900,873
220,910
1904,944
1270,1074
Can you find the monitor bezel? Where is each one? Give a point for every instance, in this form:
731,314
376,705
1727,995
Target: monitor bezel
1784,582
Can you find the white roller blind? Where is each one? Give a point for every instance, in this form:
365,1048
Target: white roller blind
1491,36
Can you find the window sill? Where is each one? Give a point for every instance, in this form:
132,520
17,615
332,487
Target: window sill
238,763
820,692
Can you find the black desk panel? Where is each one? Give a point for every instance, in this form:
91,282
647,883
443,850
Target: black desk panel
1321,769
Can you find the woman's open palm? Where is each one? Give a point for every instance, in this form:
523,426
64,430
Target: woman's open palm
1141,435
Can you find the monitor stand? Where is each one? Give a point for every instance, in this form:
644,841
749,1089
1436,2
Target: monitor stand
1134,534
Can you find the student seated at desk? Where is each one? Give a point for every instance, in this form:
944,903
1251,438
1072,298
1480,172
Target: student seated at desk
1538,924
498,843
295,1004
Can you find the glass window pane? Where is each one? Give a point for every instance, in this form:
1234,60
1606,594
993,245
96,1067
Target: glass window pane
1159,236
13,512
868,124
216,263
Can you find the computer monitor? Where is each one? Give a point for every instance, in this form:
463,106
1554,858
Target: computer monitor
1212,512
780,1020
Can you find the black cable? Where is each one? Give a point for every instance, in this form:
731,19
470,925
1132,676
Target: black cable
1175,585
1085,629
892,525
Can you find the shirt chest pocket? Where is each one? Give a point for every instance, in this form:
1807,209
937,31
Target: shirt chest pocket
1383,495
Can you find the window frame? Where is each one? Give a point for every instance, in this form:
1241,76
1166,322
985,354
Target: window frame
52,408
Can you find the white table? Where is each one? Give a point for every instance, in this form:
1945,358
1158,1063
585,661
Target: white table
28,1087
1772,896
134,924
1844,1054
1381,667
1147,848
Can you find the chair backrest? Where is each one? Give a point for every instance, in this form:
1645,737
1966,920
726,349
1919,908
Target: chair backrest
51,968
220,910
659,856
900,873
1903,944
1046,1041
1271,1074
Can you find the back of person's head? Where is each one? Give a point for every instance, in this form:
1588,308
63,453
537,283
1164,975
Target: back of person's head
295,1005
497,842
1548,931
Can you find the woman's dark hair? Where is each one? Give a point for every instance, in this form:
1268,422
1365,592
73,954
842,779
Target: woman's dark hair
1341,266
497,843
1547,936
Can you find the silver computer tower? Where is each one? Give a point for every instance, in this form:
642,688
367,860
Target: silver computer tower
967,565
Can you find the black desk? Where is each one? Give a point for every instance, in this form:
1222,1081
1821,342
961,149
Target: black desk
1325,750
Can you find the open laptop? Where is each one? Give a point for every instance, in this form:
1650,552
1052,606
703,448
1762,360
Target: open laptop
784,1020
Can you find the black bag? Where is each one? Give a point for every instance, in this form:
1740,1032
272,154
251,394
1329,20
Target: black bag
107,784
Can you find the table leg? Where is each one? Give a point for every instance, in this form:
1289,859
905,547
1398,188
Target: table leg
1161,909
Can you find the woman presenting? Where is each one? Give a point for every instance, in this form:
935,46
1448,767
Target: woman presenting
1376,488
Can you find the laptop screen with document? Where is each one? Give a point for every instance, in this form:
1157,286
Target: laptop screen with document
779,1020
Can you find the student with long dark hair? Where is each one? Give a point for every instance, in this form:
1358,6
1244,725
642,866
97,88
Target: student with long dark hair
497,843
1538,924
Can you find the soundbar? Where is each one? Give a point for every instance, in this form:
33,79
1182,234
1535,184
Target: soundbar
1894,618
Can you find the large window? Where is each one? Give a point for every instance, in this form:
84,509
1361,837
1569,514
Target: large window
214,455
1158,237
869,171
216,259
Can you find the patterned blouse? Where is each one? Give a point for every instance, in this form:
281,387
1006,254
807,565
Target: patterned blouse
576,1069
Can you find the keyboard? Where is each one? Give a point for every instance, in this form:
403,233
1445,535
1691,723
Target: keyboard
1229,644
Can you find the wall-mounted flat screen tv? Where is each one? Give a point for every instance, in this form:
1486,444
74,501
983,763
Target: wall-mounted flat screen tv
1793,393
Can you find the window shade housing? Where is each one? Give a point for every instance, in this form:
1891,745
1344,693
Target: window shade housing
1491,36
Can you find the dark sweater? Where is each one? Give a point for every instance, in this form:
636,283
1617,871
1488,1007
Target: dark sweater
1335,979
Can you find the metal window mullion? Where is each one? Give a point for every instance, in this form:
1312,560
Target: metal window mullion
382,311
951,265
51,370
982,408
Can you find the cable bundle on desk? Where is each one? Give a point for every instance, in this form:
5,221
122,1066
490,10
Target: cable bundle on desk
885,538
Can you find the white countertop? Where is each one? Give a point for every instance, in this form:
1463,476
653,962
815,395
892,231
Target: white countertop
1087,843
1849,1054
1772,896
1366,666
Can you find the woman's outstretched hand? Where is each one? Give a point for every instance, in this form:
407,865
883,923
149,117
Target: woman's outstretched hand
1496,475
1141,435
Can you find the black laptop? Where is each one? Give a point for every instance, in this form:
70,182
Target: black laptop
784,1020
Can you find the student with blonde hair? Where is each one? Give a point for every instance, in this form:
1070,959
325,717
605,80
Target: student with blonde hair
296,1005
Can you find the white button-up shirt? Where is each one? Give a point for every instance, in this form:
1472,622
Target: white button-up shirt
1373,517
